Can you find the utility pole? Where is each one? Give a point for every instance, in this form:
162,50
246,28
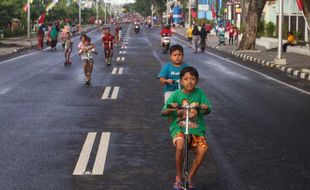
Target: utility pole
189,13
105,12
28,21
97,14
152,10
279,59
167,12
80,15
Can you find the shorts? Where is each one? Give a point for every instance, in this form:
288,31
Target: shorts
194,141
91,61
167,95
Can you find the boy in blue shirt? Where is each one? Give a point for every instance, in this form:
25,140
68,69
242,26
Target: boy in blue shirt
193,96
170,73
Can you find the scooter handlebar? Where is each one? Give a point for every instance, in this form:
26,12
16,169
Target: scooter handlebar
184,107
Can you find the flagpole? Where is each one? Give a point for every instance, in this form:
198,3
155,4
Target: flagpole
280,30
28,20
80,15
189,13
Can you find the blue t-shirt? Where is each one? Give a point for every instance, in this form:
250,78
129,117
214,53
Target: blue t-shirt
170,71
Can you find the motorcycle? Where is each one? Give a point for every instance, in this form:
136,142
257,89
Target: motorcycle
165,43
137,28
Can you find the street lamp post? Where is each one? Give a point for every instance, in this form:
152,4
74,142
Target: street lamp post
80,14
28,20
279,59
167,11
97,14
189,12
105,12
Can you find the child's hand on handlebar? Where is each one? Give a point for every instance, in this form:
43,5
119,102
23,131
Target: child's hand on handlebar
169,81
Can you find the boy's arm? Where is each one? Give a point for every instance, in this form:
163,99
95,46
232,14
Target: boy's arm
168,110
205,104
165,81
205,109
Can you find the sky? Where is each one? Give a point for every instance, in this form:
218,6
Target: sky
122,1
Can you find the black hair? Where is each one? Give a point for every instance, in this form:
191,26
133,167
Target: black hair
190,70
83,35
175,48
88,39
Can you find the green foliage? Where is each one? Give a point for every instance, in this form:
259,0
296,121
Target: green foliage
270,29
298,35
143,7
18,32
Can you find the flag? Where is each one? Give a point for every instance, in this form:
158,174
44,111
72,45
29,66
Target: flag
194,14
41,18
51,5
25,8
300,5
213,12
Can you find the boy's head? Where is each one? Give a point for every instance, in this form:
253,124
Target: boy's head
189,78
176,54
107,30
87,40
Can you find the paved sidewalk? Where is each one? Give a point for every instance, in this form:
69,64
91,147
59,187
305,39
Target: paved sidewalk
297,65
16,44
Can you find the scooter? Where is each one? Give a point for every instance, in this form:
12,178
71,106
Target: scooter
165,43
187,109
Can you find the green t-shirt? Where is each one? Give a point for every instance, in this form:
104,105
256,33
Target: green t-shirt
177,124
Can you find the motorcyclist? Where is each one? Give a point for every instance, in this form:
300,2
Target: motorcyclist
166,31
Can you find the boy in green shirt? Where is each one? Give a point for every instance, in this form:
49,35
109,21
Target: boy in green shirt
193,96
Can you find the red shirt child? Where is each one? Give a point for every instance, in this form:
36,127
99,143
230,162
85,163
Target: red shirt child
108,40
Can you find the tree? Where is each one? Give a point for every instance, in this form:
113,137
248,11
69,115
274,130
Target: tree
252,18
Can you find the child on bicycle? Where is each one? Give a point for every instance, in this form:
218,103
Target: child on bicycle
86,51
170,73
108,40
189,95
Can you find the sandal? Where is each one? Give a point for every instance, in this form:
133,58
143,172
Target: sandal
177,185
192,186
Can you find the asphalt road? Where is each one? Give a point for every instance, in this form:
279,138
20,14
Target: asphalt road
51,122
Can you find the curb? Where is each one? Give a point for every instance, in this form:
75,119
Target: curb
25,47
295,72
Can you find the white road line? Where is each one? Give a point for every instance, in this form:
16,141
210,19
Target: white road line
81,164
120,71
114,70
121,52
124,52
123,59
106,93
118,58
115,93
259,73
101,154
125,47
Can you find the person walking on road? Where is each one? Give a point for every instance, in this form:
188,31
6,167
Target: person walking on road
196,34
40,36
203,38
54,36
